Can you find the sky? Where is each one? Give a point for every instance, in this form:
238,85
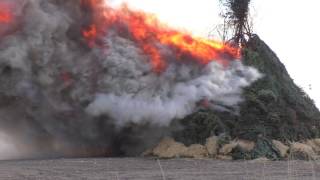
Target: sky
290,27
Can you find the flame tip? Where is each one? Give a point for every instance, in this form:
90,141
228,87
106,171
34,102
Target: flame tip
147,31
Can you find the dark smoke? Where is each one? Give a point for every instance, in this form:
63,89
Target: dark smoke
59,97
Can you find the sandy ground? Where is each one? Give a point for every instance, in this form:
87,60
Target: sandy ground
142,169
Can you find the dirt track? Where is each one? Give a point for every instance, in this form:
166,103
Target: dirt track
142,169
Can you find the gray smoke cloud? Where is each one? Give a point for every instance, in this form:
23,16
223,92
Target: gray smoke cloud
57,95
135,93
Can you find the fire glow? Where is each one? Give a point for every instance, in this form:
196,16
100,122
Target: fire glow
151,36
5,15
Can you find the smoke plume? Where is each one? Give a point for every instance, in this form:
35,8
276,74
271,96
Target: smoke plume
76,74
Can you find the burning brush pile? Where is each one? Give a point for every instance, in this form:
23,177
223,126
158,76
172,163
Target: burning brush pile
76,74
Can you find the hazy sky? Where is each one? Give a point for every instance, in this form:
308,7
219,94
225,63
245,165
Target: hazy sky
290,27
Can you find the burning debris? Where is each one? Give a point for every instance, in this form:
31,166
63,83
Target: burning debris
73,73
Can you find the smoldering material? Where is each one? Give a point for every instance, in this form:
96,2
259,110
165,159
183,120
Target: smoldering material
58,96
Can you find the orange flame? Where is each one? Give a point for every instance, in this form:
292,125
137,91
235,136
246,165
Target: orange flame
151,36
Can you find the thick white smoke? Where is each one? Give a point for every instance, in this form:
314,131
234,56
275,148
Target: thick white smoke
135,93
53,88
